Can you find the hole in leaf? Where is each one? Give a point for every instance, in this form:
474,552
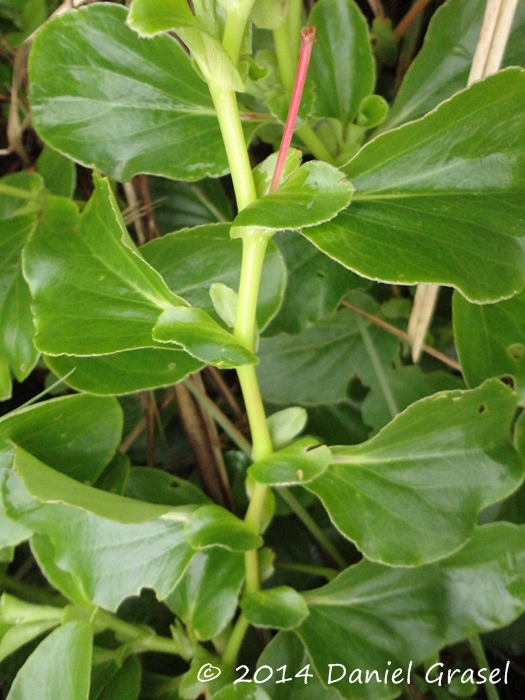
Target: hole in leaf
482,408
516,351
509,381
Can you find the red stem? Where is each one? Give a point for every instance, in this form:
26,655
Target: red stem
307,41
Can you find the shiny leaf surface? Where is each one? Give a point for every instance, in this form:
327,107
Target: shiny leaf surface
441,198
281,608
400,495
213,525
298,463
102,296
60,667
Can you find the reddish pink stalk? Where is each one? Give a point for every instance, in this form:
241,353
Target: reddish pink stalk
307,41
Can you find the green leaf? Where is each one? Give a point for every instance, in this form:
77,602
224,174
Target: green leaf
329,353
191,260
90,62
206,596
212,525
150,17
298,463
11,205
121,545
315,286
57,171
77,435
342,65
490,340
286,649
202,337
224,301
101,297
59,669
442,66
285,425
312,194
22,633
241,692
124,372
158,486
27,622
371,614
281,608
109,682
413,492
441,198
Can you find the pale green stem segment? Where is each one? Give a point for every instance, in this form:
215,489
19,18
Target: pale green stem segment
234,28
18,192
481,659
295,22
229,657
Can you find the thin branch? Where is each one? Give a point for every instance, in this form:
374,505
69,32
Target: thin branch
410,17
402,336
490,19
377,8
224,390
137,431
134,205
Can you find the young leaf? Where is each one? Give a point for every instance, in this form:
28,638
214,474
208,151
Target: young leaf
342,67
490,340
60,667
191,260
88,62
206,596
124,372
77,435
57,171
312,194
298,463
213,525
102,296
441,198
412,494
281,608
285,425
201,337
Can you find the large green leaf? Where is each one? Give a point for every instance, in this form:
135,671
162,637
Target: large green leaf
312,194
121,545
158,114
17,222
206,596
490,340
441,198
93,293
60,667
412,493
111,682
342,65
77,435
372,615
315,285
190,261
443,64
125,372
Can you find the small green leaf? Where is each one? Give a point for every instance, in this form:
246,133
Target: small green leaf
57,171
124,372
269,14
22,633
490,340
285,425
191,260
298,463
312,194
413,492
372,111
28,621
213,525
206,596
60,667
109,682
201,337
263,172
342,66
224,301
439,199
150,17
102,296
77,435
281,608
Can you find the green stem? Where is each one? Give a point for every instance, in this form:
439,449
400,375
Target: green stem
481,659
314,143
234,29
231,652
324,571
311,525
295,21
227,110
25,591
18,192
